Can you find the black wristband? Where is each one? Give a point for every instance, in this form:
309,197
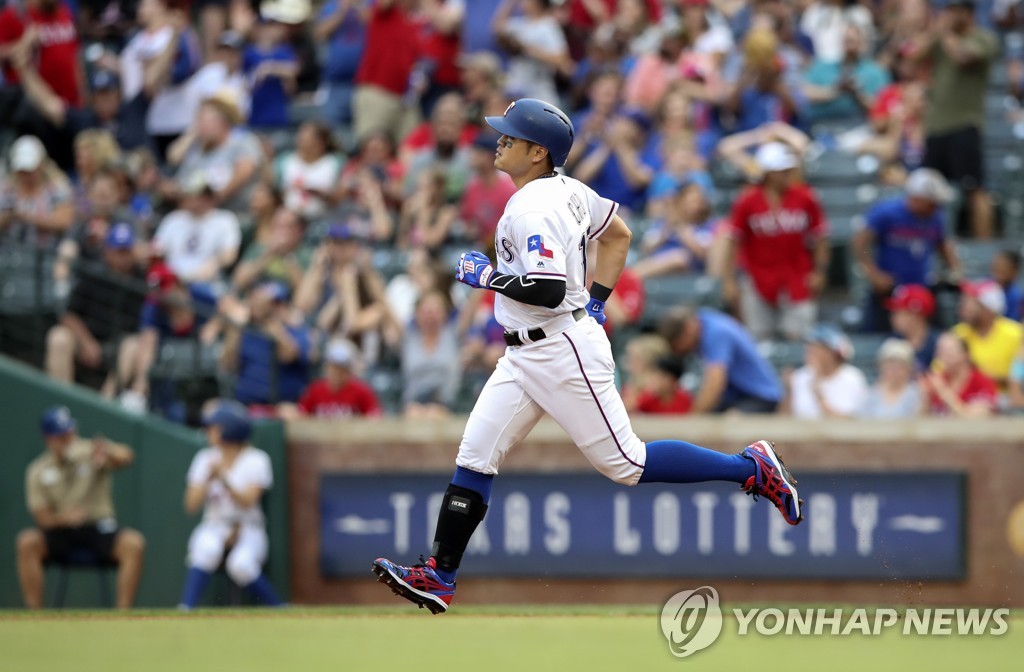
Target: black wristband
600,292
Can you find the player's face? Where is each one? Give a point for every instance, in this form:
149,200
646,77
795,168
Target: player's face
58,445
516,156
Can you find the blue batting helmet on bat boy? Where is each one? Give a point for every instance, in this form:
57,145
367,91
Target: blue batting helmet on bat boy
232,419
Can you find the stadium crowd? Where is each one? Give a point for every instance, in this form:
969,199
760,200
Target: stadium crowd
272,195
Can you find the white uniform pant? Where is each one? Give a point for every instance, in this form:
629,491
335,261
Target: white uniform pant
244,562
571,377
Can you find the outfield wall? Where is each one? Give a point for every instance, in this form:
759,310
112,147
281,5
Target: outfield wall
148,495
957,487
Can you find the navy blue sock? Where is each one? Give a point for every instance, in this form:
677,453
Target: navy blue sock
264,592
196,581
477,482
681,462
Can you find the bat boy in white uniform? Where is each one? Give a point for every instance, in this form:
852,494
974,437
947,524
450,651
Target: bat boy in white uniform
228,480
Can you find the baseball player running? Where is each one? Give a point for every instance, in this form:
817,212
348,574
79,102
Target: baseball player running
228,479
558,359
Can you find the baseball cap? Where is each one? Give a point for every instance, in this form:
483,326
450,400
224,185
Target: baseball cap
27,154
161,278
896,348
929,184
104,80
485,61
57,421
277,291
988,293
231,39
121,236
232,418
912,298
340,231
970,4
291,12
833,339
340,353
637,116
775,157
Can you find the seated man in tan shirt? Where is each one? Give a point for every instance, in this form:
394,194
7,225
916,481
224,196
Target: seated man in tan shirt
68,493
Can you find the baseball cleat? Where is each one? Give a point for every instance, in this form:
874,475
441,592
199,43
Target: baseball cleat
773,481
419,584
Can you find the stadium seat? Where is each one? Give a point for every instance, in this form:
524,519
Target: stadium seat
666,292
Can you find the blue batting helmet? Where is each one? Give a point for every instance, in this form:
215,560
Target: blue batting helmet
57,421
232,419
537,122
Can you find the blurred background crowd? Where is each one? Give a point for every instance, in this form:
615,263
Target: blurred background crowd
264,201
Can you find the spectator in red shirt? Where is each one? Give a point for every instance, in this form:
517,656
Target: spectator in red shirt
339,394
661,394
486,193
440,40
958,389
778,237
393,48
626,305
48,28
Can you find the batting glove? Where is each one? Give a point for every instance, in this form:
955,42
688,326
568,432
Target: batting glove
596,310
474,269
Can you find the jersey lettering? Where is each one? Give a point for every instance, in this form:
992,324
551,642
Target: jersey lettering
506,251
576,208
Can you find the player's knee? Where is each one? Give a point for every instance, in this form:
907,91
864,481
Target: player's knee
206,553
242,568
30,543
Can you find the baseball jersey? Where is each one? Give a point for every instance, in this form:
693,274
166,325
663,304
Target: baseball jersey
251,467
775,245
543,234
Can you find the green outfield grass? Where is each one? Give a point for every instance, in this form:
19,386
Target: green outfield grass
473,639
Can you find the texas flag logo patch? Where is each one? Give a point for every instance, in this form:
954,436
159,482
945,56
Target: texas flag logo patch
536,244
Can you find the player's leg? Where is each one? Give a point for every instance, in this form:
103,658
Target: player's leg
31,553
205,551
581,396
502,416
244,565
127,547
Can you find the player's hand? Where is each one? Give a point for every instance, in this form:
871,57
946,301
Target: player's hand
596,310
474,269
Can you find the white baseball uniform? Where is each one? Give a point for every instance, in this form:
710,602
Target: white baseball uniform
222,515
570,374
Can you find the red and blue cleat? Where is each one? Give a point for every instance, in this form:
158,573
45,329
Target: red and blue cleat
419,584
773,481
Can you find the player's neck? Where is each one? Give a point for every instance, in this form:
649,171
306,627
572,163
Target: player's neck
535,174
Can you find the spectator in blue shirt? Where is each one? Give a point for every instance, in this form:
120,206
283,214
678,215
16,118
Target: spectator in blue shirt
341,25
273,68
735,377
844,90
613,164
1006,271
270,356
899,240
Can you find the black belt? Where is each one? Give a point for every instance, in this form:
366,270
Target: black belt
512,337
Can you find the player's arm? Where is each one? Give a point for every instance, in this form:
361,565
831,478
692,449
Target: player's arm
476,270
613,247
